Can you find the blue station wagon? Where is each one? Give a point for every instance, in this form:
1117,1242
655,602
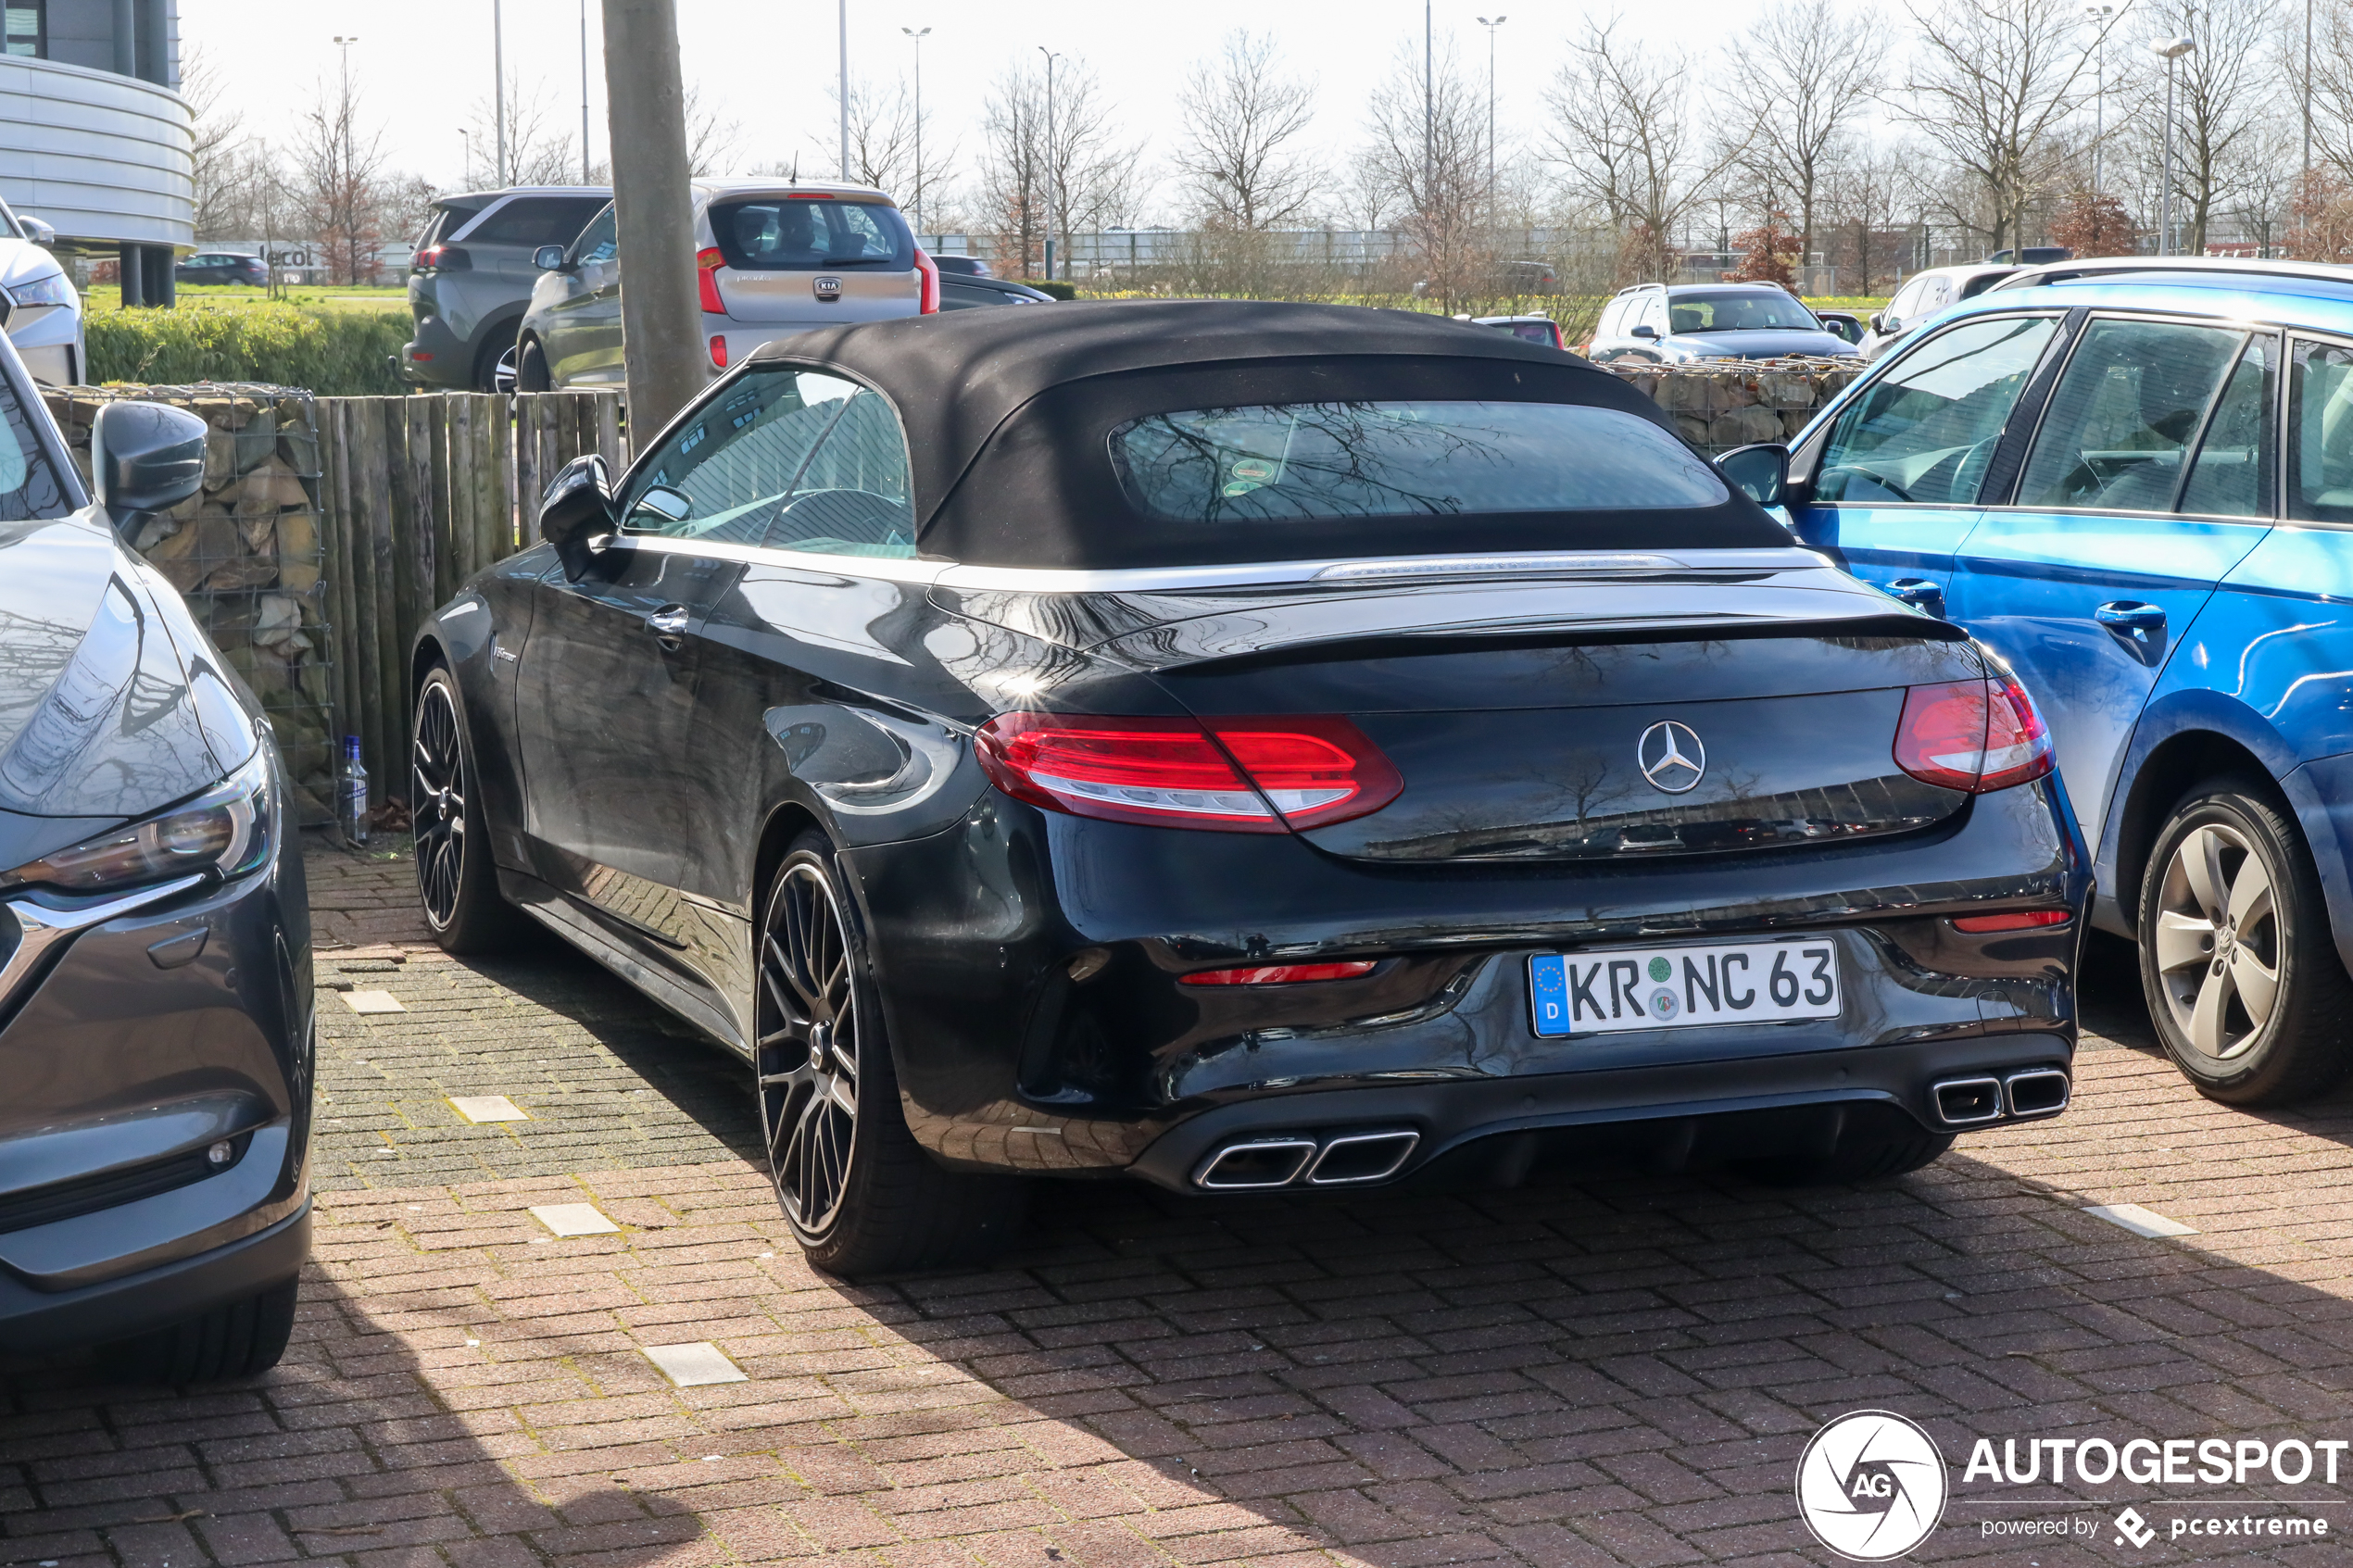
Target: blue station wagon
2136,486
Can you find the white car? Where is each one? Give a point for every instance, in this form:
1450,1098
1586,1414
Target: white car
43,310
772,257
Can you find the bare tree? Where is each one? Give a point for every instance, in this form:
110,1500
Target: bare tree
1623,133
1070,176
339,178
1864,193
1827,55
1993,81
1240,152
2221,91
540,146
710,140
1429,146
2264,187
219,131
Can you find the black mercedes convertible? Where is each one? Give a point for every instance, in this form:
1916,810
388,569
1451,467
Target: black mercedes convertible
1244,747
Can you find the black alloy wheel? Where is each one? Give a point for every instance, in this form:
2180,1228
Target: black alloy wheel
862,1196
2243,980
456,882
502,371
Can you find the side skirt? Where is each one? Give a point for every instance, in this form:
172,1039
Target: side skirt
552,910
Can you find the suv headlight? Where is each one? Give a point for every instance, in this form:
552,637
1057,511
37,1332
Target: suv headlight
226,829
50,290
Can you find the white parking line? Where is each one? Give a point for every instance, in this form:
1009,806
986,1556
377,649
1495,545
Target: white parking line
479,1109
690,1366
2139,1221
573,1219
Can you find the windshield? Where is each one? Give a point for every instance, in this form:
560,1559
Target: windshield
1392,459
1743,312
780,234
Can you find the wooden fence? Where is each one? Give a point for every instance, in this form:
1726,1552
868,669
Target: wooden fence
416,495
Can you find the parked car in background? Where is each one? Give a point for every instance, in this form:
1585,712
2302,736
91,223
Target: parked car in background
1243,746
2033,256
961,291
2137,487
1527,329
772,258
1845,323
970,266
472,278
43,308
1670,323
221,267
1921,296
155,978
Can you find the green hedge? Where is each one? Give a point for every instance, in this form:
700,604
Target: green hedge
1054,286
333,352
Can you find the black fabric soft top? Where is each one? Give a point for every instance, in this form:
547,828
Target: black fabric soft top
1008,414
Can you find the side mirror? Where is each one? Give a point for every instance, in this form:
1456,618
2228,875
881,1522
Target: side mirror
1761,472
145,458
549,258
43,233
1879,321
1645,329
577,514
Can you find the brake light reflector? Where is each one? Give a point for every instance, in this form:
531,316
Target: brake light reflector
1279,974
1973,735
927,276
1219,772
2023,919
706,264
718,351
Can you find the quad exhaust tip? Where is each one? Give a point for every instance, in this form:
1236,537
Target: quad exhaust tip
2030,1092
1342,1159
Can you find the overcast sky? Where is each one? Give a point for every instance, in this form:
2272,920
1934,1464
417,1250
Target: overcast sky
423,67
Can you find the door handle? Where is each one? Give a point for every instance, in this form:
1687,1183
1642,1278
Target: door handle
2131,617
669,626
1920,594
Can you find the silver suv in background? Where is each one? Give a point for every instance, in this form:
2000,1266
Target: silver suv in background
473,275
772,257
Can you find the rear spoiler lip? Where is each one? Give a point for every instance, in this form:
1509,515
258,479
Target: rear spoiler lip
1903,624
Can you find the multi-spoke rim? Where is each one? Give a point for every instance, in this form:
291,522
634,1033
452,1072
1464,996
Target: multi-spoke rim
502,374
437,803
2218,941
810,1037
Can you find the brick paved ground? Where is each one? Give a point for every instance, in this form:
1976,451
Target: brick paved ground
1612,1369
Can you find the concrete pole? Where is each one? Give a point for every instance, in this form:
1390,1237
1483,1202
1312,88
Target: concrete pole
583,92
498,87
653,203
841,26
2165,223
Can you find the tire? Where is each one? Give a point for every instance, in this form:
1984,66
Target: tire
1871,1148
241,1339
531,369
861,1194
456,884
495,368
2244,983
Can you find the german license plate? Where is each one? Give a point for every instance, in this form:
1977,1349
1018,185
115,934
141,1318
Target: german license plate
1682,987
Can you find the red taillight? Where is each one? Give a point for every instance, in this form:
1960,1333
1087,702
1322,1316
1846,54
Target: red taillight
1973,735
1217,773
718,351
2024,919
928,271
443,259
1279,974
706,264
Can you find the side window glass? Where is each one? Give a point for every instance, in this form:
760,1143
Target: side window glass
1607,325
1903,307
2232,474
1926,432
2321,434
851,496
725,475
599,241
2119,425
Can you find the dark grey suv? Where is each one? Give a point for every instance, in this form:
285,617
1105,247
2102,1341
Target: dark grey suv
473,275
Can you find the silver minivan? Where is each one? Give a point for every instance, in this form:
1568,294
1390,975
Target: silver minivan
772,257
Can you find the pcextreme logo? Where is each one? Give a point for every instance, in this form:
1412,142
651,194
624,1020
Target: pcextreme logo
1872,1485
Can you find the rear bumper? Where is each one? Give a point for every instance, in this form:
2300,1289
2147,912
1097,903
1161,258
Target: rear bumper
448,360
34,1321
1691,1110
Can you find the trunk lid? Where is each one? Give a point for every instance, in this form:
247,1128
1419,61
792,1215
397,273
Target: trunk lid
1522,715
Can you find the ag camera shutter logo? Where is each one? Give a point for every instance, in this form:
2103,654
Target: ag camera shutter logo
1872,1485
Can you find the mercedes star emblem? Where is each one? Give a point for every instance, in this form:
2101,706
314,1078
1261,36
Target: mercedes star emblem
1671,756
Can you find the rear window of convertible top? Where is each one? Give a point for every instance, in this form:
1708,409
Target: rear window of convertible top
1277,461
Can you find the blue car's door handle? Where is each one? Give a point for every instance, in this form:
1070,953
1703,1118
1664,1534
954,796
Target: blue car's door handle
2131,617
1920,594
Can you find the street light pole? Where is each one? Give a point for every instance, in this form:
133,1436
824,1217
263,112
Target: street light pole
918,35
1491,27
1053,164
1430,102
2171,49
2099,15
498,88
346,196
841,20
584,92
